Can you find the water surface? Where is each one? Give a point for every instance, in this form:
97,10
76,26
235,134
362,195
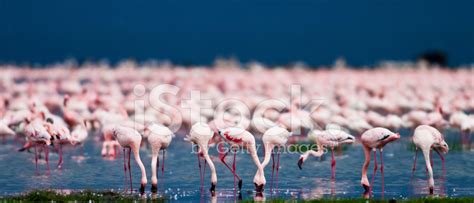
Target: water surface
88,170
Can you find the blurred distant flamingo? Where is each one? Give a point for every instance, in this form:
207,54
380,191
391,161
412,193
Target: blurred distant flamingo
36,134
60,135
71,117
426,138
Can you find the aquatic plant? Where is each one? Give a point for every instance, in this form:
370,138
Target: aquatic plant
81,196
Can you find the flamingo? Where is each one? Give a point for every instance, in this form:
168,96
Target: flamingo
240,138
328,138
59,134
159,137
426,138
71,117
36,133
131,139
373,139
467,125
274,137
201,134
79,134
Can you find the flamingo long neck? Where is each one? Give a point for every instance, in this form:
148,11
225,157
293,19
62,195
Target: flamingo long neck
205,153
268,152
426,154
65,102
293,108
123,112
136,154
364,178
154,160
260,172
253,154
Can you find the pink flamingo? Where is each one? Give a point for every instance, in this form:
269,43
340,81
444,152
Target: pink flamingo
36,134
59,134
373,139
71,117
329,138
131,139
240,138
426,138
159,138
201,134
274,137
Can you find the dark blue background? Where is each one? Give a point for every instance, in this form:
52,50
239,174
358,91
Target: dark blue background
271,31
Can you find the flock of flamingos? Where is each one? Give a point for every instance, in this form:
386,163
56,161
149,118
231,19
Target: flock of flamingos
54,106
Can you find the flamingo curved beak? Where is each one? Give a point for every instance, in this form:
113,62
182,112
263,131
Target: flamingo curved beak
300,163
366,187
213,189
154,188
142,188
259,188
397,135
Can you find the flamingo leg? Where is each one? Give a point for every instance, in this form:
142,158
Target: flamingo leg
163,168
381,170
431,160
277,169
442,160
375,171
46,158
204,170
333,164
125,171
273,169
157,164
200,170
130,169
36,158
414,162
233,168
228,167
155,160
163,165
60,162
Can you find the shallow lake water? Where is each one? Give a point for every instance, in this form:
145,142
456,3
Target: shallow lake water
86,169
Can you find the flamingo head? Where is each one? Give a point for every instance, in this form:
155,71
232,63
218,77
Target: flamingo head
213,189
259,188
348,139
397,135
300,163
443,147
66,99
259,181
393,137
45,136
142,188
